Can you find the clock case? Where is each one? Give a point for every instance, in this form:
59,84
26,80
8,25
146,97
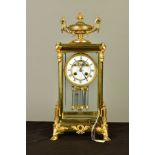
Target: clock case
81,121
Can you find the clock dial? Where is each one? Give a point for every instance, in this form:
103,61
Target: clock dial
80,69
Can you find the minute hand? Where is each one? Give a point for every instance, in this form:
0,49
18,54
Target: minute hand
85,76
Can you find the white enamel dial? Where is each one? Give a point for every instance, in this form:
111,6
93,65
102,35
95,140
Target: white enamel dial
80,69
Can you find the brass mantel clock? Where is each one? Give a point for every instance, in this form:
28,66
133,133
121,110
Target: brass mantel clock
80,106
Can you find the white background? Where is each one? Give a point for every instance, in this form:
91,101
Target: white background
12,78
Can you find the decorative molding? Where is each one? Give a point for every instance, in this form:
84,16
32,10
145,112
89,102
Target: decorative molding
80,129
101,52
57,128
104,131
59,52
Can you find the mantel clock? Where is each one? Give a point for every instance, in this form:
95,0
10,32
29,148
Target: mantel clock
80,107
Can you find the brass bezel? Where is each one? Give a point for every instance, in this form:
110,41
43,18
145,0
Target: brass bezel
88,56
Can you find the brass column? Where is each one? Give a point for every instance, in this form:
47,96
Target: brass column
102,107
100,74
57,128
60,76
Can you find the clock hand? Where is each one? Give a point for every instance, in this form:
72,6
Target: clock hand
85,76
81,66
80,69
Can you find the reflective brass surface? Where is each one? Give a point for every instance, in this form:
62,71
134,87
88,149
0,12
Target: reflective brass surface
80,28
81,121
80,129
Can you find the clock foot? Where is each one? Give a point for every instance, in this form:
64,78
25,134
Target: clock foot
54,137
106,138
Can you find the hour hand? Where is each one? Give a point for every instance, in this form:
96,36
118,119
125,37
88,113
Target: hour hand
80,69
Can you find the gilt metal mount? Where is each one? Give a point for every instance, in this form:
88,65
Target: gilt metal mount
80,28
